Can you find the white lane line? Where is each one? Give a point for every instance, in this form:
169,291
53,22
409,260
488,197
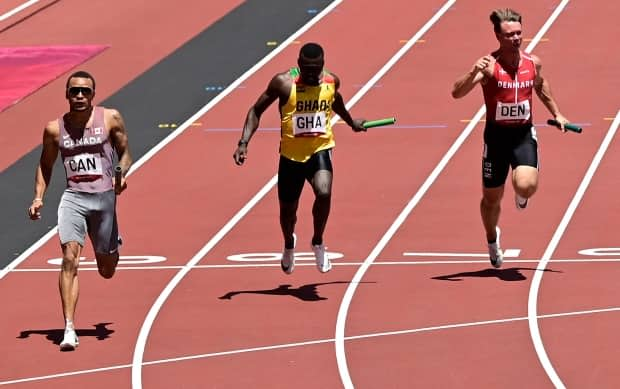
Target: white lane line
17,9
508,253
306,343
341,357
28,252
532,304
344,307
136,370
301,264
481,323
184,126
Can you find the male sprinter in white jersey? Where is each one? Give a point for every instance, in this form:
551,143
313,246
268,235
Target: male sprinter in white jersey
307,97
507,76
87,137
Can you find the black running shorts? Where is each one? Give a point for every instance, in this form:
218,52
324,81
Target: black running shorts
507,147
292,175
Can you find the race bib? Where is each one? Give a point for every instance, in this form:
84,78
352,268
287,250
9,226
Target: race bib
83,167
512,111
309,124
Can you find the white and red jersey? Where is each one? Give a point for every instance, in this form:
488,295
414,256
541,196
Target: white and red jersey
508,96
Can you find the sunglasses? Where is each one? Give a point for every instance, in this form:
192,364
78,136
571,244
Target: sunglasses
76,90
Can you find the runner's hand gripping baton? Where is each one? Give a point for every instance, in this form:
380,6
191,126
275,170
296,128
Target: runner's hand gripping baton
379,122
568,126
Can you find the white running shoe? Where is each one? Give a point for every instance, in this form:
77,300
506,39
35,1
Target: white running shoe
520,202
119,244
495,252
70,340
288,258
322,260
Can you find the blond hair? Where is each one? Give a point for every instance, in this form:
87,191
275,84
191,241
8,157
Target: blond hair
503,15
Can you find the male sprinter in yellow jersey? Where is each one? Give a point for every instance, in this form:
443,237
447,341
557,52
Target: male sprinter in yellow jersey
307,97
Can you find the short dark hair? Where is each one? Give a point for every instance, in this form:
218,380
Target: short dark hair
81,74
311,51
503,15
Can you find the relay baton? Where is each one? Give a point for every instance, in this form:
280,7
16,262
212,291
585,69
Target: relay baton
117,176
568,126
379,122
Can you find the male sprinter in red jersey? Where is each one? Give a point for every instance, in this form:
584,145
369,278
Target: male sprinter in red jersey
87,137
307,97
507,76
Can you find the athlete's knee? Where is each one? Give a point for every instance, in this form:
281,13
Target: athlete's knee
526,186
322,184
70,257
525,180
288,206
322,189
323,193
107,272
69,265
106,264
490,203
492,197
526,191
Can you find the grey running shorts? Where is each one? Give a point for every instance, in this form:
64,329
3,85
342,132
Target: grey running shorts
80,213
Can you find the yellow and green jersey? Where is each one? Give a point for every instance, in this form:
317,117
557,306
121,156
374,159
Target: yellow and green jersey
305,119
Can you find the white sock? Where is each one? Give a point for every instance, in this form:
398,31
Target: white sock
69,324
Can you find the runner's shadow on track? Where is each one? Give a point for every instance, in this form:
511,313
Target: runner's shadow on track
101,332
507,274
307,292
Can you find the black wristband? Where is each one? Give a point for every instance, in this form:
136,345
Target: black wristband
242,142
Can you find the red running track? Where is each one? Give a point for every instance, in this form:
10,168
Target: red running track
417,320
111,23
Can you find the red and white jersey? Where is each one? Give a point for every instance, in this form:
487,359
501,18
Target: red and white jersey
508,96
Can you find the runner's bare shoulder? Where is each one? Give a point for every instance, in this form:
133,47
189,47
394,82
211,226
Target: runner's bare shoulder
52,129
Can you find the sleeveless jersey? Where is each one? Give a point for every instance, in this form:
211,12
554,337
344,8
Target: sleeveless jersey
87,156
508,97
305,119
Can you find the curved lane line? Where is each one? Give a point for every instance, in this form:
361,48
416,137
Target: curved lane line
184,126
346,302
339,337
532,308
139,351
304,344
136,369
